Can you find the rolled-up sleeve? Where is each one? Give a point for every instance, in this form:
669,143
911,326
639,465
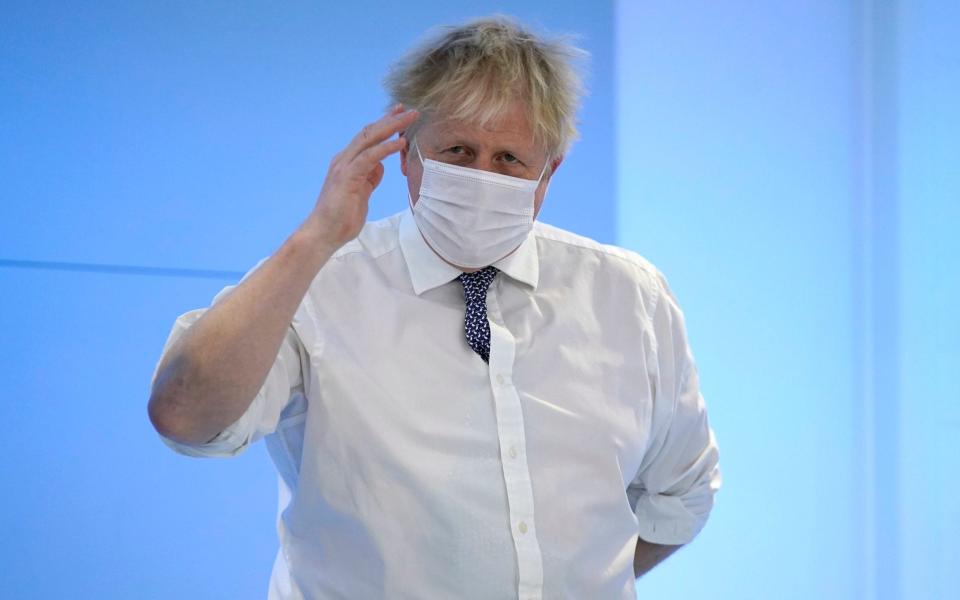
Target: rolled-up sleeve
283,383
672,492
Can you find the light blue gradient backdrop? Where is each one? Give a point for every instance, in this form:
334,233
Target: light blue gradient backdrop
794,168
791,167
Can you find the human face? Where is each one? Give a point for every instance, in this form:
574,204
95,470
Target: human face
505,146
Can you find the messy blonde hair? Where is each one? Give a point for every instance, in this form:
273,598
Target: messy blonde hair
470,72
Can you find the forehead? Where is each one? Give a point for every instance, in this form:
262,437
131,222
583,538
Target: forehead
511,128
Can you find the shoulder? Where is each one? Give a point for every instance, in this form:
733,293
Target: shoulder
619,266
376,238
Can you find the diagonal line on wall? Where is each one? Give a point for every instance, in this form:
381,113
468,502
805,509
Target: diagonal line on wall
120,269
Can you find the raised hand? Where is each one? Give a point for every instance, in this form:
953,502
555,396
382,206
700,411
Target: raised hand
354,173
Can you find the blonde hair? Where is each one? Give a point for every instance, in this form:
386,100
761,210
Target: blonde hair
470,72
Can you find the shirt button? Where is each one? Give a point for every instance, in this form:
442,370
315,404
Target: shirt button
522,527
500,379
513,451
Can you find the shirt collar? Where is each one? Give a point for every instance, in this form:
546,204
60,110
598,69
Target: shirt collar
427,270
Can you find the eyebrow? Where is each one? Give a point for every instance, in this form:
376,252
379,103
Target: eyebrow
455,139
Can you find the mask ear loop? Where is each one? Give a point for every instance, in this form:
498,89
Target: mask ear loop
544,169
420,156
416,145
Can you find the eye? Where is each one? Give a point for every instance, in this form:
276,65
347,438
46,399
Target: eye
458,150
511,159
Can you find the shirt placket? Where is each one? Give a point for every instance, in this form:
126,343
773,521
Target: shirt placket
513,454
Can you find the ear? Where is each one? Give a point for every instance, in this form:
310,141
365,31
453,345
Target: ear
555,164
403,155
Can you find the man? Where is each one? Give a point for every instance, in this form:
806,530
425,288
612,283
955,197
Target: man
460,402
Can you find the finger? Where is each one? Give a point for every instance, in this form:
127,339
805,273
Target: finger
378,131
371,156
376,175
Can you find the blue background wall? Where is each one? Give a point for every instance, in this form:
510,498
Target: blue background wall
737,157
792,168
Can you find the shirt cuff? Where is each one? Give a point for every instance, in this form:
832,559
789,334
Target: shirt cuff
664,520
229,442
675,520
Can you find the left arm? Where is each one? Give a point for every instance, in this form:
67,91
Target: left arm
672,492
650,555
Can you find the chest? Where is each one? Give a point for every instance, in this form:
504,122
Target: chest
395,382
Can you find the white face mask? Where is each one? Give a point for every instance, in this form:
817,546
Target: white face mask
470,217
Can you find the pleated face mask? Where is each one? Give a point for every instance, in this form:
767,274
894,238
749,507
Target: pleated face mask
470,217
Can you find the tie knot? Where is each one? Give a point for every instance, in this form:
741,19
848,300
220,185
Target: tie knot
478,279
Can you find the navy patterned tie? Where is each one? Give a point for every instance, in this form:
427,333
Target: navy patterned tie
475,323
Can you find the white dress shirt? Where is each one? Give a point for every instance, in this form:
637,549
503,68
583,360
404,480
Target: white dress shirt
409,468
